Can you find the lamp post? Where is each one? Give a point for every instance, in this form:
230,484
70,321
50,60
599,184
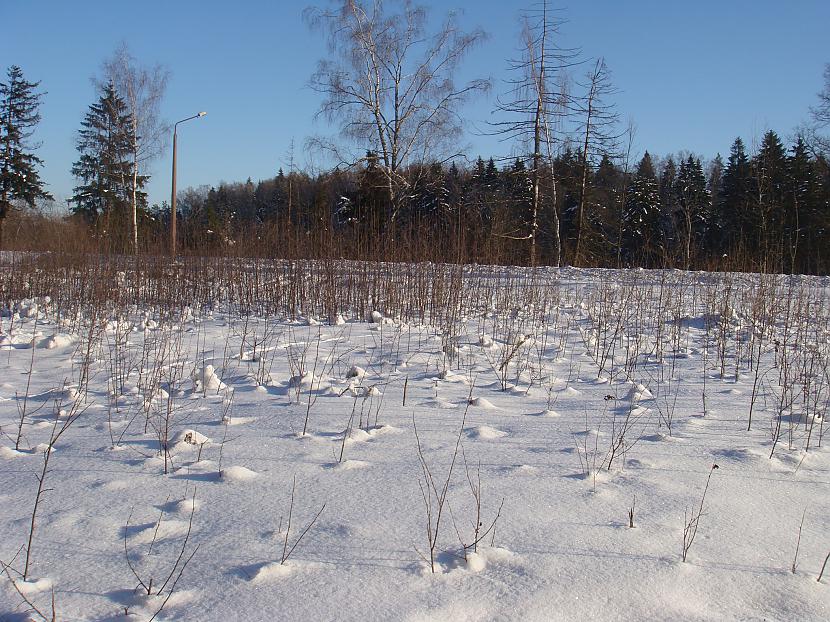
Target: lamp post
173,189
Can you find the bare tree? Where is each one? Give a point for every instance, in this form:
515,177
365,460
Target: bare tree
821,116
390,84
630,133
540,98
598,127
142,89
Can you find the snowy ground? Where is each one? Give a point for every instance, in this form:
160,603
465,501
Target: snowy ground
575,405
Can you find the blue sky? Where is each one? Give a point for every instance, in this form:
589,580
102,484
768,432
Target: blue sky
691,75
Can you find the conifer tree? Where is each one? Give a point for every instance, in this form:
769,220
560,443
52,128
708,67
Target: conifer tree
519,187
732,205
694,207
769,175
604,201
803,218
641,220
142,90
105,168
19,177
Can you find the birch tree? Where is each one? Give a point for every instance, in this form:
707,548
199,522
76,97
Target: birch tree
142,90
390,84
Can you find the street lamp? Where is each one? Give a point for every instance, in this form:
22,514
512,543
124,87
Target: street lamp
173,190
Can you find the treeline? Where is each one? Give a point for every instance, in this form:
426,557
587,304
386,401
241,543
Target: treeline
769,211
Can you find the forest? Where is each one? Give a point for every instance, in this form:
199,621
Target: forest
570,189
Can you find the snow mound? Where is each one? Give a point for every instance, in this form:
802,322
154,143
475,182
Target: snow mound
8,453
349,465
379,430
239,474
486,432
356,435
163,530
271,571
481,402
570,391
638,393
58,340
206,379
34,586
476,562
356,372
301,380
186,506
546,413
450,376
190,437
637,411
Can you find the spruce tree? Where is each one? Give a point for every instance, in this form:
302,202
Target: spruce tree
713,240
519,189
803,222
732,213
769,176
642,234
19,177
105,167
606,201
693,215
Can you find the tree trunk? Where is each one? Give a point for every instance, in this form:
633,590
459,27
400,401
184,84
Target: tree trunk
581,211
135,200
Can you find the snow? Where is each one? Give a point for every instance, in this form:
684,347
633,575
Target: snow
579,424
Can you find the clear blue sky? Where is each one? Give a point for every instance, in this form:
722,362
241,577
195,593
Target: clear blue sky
692,75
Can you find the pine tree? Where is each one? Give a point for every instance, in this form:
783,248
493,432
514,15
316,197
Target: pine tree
105,168
19,177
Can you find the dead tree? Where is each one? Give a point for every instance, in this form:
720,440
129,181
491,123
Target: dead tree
599,135
540,99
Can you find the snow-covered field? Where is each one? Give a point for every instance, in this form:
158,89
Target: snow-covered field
542,409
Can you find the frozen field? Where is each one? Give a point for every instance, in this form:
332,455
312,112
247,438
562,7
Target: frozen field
404,408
